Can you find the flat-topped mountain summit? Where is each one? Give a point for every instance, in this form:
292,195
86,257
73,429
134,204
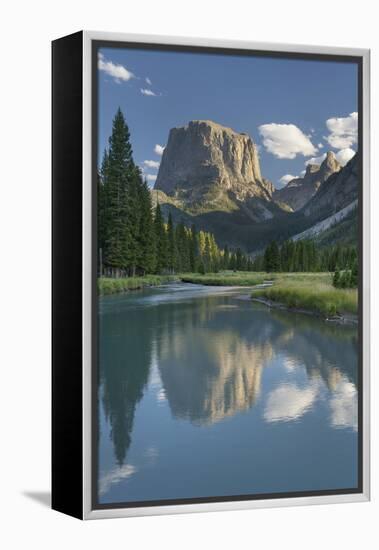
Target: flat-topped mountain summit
204,154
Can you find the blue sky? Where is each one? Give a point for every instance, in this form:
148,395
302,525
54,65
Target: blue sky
294,110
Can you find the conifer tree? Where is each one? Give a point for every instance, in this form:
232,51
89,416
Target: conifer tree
182,247
171,247
101,201
194,249
207,254
160,241
272,258
239,266
233,262
131,250
226,258
119,169
146,242
354,273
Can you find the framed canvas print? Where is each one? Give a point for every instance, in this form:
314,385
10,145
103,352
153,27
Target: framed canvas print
210,275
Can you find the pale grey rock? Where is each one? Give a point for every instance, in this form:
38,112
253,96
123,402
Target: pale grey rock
205,157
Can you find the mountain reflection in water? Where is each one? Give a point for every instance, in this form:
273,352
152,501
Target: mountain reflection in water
197,356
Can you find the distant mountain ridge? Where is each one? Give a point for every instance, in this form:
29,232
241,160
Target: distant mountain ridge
300,190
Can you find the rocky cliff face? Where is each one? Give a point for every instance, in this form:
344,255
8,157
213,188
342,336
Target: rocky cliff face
300,190
337,192
205,157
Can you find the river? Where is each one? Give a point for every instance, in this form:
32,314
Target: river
204,393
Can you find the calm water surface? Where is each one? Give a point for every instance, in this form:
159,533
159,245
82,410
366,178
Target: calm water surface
203,393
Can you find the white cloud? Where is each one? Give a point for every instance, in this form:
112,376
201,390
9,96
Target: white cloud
150,177
302,173
117,72
115,476
343,131
151,163
285,141
289,402
316,160
286,178
344,406
158,149
146,91
148,81
320,145
344,155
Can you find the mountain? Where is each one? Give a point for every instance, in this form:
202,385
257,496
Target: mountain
300,190
203,154
337,192
207,167
210,176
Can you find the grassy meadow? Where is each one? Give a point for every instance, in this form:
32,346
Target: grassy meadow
310,291
113,286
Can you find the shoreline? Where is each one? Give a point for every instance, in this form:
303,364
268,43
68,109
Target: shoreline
337,319
257,289
107,286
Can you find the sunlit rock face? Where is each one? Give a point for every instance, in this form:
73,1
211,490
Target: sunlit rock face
300,190
205,155
338,191
215,380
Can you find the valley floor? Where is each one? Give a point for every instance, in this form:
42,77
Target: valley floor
307,292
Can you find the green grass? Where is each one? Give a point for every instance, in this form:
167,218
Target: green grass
225,278
310,291
112,286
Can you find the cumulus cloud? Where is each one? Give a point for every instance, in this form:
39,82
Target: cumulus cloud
146,91
113,477
286,178
316,160
302,173
343,131
344,155
151,163
344,406
285,141
150,177
148,81
158,149
320,145
289,402
116,71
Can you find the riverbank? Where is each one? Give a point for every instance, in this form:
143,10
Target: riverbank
310,293
107,285
225,278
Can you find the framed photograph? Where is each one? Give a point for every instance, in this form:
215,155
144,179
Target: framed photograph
210,275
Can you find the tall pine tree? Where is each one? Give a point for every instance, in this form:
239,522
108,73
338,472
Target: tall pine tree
171,245
160,241
119,170
146,259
